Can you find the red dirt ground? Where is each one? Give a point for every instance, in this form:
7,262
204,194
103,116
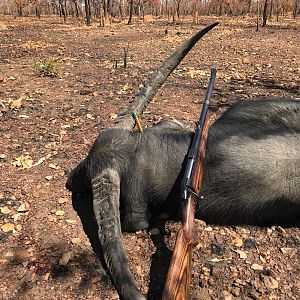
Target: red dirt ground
51,122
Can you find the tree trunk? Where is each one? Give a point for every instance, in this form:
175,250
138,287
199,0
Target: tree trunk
296,8
38,12
87,12
178,8
76,8
257,15
265,14
249,6
62,10
20,10
130,12
271,10
105,7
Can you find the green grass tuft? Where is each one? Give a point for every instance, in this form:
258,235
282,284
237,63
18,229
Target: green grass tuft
46,67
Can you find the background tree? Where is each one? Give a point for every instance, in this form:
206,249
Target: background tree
88,13
130,12
265,13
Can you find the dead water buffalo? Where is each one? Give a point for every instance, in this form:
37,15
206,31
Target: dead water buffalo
252,172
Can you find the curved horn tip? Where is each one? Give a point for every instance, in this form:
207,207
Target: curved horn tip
211,26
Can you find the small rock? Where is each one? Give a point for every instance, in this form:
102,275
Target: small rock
113,116
53,166
65,258
52,218
71,221
246,60
236,292
3,156
202,294
62,200
76,241
257,267
85,92
208,228
200,223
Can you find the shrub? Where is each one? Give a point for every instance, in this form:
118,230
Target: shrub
47,67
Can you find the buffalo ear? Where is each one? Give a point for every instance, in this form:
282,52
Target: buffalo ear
106,204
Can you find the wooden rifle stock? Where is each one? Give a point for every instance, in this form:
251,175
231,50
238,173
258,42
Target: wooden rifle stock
177,285
179,274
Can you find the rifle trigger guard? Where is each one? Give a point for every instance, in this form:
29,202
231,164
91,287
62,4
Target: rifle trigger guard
199,198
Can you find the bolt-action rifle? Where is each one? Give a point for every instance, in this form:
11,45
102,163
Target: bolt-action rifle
179,274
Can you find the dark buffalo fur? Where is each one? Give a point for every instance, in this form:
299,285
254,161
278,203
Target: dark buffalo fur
251,176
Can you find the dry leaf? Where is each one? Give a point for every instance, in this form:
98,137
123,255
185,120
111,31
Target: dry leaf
24,162
241,253
18,103
5,210
262,259
59,213
41,160
270,282
95,279
289,251
7,227
49,177
237,242
17,216
22,254
46,277
24,207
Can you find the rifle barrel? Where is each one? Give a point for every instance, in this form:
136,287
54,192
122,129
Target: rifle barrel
177,285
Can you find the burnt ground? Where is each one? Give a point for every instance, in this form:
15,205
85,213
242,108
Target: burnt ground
48,124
